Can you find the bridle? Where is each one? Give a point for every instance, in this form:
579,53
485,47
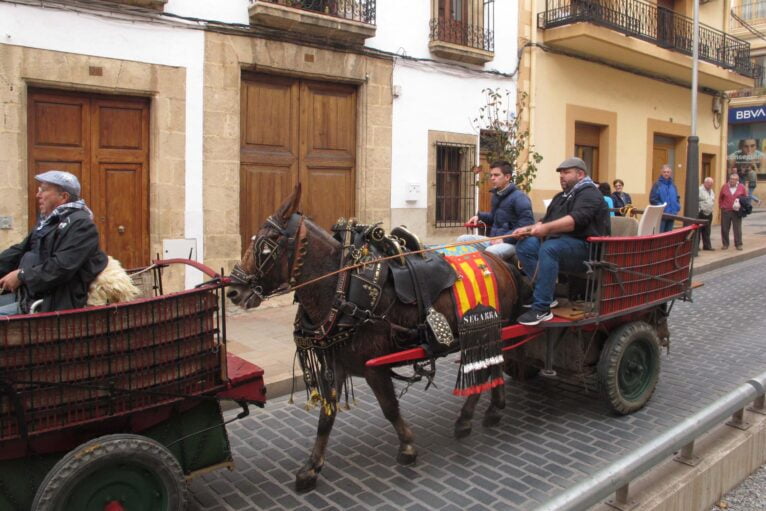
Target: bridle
267,252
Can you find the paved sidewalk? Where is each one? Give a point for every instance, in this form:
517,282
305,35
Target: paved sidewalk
264,336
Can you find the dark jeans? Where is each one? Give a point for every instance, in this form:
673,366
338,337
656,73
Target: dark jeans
705,231
666,225
547,258
729,219
8,305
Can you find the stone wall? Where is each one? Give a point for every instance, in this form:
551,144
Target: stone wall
23,67
226,56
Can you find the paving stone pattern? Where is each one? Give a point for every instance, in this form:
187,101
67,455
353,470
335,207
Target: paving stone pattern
552,435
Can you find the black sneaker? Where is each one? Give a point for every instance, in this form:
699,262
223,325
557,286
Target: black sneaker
553,305
533,317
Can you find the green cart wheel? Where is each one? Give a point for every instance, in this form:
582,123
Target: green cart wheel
629,367
114,473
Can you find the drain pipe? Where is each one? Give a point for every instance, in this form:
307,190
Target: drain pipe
617,476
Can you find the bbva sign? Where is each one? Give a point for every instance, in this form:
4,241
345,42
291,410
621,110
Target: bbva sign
747,114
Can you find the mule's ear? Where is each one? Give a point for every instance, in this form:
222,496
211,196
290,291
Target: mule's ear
290,205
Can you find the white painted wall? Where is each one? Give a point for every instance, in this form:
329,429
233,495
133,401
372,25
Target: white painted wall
440,96
90,34
226,11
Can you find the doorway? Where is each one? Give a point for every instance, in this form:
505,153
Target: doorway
295,130
104,141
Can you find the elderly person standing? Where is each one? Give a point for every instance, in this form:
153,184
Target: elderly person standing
665,192
728,201
706,204
59,259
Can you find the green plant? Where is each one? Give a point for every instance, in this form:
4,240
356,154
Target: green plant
502,138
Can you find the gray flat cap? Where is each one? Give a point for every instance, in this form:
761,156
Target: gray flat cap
68,182
572,163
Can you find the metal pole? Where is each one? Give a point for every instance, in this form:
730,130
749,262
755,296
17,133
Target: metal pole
691,197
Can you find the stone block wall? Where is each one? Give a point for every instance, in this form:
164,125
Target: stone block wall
226,56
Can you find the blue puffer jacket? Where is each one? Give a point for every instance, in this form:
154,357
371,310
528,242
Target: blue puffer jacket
511,208
664,191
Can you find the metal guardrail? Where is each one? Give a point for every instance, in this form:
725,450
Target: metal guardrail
472,25
617,476
653,24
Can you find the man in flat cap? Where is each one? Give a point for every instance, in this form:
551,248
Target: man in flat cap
59,259
558,241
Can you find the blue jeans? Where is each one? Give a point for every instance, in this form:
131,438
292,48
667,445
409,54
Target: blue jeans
503,250
547,258
8,305
666,225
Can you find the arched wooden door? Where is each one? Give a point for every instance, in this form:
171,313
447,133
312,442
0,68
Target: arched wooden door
296,130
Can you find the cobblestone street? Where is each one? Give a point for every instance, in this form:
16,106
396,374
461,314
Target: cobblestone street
552,434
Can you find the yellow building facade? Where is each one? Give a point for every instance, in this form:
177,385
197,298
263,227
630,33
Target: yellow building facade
611,82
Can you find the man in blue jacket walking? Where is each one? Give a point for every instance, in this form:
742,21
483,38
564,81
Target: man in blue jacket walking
665,192
511,209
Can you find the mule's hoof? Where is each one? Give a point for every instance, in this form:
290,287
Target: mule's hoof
491,420
305,482
404,458
462,431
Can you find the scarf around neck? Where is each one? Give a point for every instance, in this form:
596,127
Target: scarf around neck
63,211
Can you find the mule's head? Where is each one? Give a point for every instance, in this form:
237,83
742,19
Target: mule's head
268,264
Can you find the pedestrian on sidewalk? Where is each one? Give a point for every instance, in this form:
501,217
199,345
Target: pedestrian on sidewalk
664,191
752,181
728,201
706,204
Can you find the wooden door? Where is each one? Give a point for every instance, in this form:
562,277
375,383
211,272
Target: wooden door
661,155
296,130
104,141
707,166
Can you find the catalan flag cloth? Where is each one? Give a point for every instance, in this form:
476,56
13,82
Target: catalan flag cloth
475,284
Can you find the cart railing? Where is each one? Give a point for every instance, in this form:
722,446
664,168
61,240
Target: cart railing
632,272
68,368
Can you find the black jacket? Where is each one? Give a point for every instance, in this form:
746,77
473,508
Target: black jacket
511,209
58,263
588,208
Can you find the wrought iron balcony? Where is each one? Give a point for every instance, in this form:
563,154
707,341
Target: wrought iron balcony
473,27
653,24
362,11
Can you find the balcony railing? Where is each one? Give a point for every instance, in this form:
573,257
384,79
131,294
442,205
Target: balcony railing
753,13
354,10
475,30
654,24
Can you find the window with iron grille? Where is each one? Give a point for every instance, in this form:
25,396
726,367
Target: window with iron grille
455,184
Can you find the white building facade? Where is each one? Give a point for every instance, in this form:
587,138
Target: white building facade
188,121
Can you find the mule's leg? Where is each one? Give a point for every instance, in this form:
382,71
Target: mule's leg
463,422
380,382
497,402
306,478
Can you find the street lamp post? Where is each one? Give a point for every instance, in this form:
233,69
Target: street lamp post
691,197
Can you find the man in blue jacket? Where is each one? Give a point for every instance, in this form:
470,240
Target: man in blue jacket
665,192
511,209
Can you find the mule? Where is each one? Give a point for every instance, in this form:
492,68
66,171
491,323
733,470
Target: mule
278,259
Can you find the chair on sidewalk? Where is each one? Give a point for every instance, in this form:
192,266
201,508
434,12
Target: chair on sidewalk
650,220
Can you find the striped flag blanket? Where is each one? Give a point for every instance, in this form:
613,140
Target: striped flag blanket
477,303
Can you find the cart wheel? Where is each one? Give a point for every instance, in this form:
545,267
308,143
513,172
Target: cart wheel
629,366
114,473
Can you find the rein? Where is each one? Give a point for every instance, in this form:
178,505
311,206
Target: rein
292,288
